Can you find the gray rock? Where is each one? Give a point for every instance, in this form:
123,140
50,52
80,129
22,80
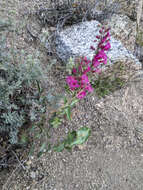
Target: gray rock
77,39
124,30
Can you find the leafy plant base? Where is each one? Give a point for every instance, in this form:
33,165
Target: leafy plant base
114,77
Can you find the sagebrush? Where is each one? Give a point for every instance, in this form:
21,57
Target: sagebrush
20,92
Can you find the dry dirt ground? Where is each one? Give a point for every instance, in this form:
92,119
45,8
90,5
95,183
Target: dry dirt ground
112,159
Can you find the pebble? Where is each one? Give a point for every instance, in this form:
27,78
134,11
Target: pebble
33,175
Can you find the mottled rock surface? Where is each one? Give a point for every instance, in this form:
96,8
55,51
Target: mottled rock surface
124,30
76,41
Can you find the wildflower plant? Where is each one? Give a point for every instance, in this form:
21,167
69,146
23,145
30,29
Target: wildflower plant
79,81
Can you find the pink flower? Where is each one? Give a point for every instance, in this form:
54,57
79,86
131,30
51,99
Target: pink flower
81,63
107,30
98,37
85,59
105,37
91,47
96,63
87,62
80,68
84,79
86,70
74,71
81,94
100,57
106,47
72,82
89,88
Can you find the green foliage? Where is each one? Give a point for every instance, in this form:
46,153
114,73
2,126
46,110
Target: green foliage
20,95
42,149
74,138
57,117
106,85
55,121
70,65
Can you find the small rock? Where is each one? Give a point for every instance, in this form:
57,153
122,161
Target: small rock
29,162
33,175
81,146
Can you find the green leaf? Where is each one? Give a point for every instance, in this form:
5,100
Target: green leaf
42,149
55,122
59,147
68,113
38,135
81,136
24,139
74,138
65,100
12,12
31,152
39,154
71,138
74,102
68,148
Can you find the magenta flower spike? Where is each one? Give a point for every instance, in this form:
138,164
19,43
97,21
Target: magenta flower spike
86,66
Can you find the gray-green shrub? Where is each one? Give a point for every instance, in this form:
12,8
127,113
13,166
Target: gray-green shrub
20,90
